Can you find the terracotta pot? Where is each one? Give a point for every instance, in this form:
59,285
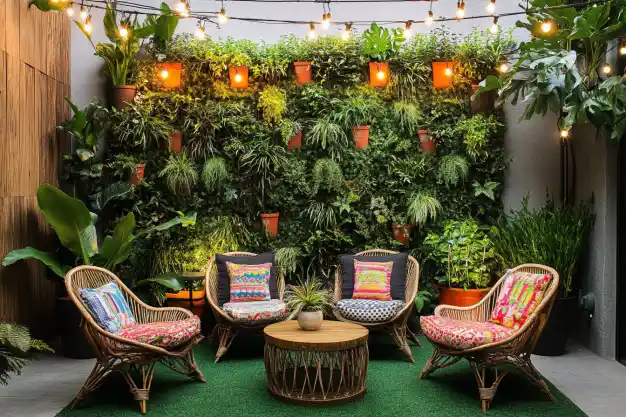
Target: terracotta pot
238,76
173,70
361,136
122,95
137,176
176,141
442,74
376,69
303,72
460,297
295,142
196,303
310,320
483,103
428,144
270,223
402,233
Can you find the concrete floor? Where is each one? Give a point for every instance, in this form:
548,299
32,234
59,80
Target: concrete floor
594,384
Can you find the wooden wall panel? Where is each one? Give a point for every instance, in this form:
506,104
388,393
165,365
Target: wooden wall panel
34,77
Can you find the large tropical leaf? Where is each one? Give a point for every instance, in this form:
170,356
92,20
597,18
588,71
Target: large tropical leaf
70,219
169,280
31,253
183,220
115,249
115,191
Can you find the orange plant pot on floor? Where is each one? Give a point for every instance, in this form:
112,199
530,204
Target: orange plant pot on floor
460,297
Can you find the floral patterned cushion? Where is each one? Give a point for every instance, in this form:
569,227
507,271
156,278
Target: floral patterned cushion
520,295
369,311
256,310
460,334
249,282
372,280
164,334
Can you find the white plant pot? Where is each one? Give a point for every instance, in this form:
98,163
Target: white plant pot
310,320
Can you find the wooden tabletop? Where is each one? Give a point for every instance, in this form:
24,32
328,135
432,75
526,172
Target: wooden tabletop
334,335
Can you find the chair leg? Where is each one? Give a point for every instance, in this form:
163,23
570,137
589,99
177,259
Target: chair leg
226,337
399,335
142,392
437,361
526,366
412,336
487,393
100,371
185,365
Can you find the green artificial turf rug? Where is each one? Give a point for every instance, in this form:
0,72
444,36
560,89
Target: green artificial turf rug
236,387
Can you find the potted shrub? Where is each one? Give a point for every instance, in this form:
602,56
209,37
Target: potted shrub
553,236
75,227
307,301
356,113
130,166
291,132
465,254
428,144
379,44
402,233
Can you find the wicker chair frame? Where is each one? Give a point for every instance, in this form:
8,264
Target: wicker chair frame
128,357
227,328
512,352
397,326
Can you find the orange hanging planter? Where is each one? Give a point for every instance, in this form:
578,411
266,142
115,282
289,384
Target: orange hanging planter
137,176
379,74
361,135
295,142
402,233
238,76
428,144
176,141
170,74
270,223
442,74
303,72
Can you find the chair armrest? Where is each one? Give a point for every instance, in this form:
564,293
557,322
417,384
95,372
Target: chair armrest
165,314
471,313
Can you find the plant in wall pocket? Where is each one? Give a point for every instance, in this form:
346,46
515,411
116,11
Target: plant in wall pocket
443,73
380,44
307,301
180,174
303,70
329,136
428,144
291,133
356,112
130,166
170,75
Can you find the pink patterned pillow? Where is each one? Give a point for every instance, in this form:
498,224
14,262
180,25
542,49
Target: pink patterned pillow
372,280
520,295
249,282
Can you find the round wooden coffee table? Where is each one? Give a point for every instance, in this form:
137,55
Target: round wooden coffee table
316,367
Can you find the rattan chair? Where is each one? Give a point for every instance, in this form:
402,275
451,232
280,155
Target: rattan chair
228,328
514,351
128,357
397,326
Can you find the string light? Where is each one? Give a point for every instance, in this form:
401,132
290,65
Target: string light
200,30
622,49
606,68
429,19
326,20
164,73
546,26
345,35
87,26
83,14
460,10
124,32
504,67
221,16
70,10
183,8
564,133
495,28
312,34
448,71
491,7
407,29
238,77
380,74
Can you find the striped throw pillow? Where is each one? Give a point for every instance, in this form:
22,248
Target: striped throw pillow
108,307
249,282
372,280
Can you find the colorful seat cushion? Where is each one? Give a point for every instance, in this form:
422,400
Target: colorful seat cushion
372,280
223,293
398,272
520,295
256,310
249,282
164,334
369,311
108,307
460,334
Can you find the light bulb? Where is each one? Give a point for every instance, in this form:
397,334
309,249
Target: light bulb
494,27
326,21
564,133
546,27
429,19
504,67
87,26
83,14
238,78
123,32
200,33
622,50
606,69
70,11
448,72
345,35
491,7
164,73
407,30
221,16
312,34
460,10
380,75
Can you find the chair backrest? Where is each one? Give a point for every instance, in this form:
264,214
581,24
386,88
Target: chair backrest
412,275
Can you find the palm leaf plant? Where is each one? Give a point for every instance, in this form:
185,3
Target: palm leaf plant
380,43
180,174
309,295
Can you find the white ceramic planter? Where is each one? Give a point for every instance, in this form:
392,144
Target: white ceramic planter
310,320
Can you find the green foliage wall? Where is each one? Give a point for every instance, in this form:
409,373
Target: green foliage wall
332,198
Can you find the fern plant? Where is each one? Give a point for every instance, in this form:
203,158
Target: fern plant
423,206
214,173
16,347
272,103
329,136
452,169
327,176
408,116
179,174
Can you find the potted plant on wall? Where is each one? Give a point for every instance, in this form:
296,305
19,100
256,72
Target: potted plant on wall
356,112
131,167
307,301
465,254
291,133
379,44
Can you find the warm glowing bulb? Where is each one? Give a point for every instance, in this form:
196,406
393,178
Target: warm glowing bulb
429,19
70,11
326,21
312,33
606,69
83,14
380,75
407,30
448,72
546,27
622,50
221,16
494,27
504,67
164,74
123,32
345,35
87,27
460,10
200,33
491,7
564,133
238,78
